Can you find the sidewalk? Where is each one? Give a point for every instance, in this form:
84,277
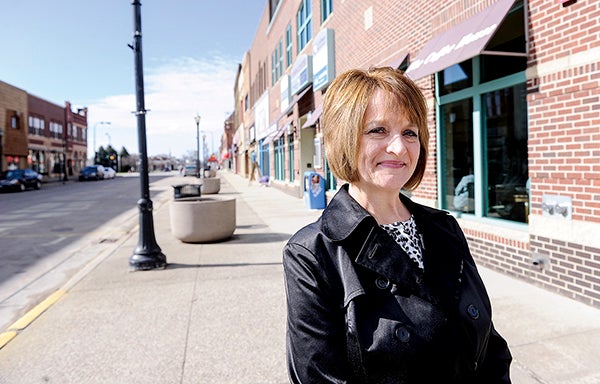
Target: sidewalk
217,313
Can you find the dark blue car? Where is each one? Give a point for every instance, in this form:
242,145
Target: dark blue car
20,180
92,172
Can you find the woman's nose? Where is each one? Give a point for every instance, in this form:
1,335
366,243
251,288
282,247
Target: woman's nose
396,145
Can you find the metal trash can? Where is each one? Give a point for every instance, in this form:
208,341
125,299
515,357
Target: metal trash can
186,190
314,190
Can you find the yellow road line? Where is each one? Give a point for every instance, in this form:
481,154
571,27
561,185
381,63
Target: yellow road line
33,314
6,337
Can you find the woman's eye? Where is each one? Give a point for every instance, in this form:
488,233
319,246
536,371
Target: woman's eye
376,130
411,133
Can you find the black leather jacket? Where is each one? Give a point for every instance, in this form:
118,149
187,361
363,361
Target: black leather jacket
359,311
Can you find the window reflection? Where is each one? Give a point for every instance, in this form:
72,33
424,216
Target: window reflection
507,173
456,77
458,176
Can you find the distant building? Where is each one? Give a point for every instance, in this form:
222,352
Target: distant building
13,127
513,92
38,134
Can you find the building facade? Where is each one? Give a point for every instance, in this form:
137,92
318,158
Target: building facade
513,89
38,134
13,127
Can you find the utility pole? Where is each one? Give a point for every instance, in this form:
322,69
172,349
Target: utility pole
198,171
147,254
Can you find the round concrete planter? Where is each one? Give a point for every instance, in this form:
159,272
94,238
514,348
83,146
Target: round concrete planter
203,219
210,185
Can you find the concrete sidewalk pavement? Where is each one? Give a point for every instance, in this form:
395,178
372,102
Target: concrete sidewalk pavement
217,313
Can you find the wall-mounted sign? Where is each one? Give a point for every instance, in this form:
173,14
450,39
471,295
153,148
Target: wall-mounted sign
323,59
301,74
284,91
261,116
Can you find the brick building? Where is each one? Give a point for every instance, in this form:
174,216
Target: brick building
41,135
13,127
513,88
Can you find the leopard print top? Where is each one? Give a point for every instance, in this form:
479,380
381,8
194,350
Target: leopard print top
408,237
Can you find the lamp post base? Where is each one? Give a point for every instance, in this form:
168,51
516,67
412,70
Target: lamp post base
147,254
147,262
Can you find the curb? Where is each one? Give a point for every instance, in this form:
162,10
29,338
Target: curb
29,317
22,323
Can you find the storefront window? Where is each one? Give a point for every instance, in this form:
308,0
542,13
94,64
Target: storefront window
509,38
279,158
264,158
330,180
483,128
458,138
291,157
457,77
507,169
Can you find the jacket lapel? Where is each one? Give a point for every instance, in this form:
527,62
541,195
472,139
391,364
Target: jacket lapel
369,246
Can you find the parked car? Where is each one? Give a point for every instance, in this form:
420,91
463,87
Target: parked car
109,173
190,170
20,180
92,172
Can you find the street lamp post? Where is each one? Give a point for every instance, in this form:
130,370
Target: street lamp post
203,152
147,254
1,150
197,118
95,152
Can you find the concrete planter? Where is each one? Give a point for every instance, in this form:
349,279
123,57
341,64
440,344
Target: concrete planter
202,220
211,185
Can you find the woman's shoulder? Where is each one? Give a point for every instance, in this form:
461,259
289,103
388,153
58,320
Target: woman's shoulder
307,233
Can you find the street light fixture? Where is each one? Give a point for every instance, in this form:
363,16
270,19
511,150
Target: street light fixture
95,151
147,254
197,118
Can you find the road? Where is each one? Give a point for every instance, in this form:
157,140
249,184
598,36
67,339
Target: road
46,236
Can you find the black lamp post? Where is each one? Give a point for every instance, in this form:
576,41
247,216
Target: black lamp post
197,118
1,152
147,254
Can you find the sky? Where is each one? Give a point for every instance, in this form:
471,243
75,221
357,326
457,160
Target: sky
77,51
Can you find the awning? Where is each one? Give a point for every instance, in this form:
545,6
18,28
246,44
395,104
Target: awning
295,99
397,60
459,43
314,116
277,134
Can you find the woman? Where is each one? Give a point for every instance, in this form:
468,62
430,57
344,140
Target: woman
381,289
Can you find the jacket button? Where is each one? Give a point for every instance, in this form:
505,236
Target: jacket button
382,283
473,311
402,334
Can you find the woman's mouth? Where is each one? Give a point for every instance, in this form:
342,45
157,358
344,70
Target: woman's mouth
391,164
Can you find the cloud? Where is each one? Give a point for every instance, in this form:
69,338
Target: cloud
175,90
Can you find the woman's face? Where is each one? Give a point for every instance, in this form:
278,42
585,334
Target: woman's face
388,149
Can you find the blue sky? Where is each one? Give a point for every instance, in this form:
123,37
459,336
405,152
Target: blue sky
77,51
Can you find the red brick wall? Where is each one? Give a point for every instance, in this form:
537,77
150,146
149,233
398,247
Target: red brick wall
13,101
573,270
564,107
499,252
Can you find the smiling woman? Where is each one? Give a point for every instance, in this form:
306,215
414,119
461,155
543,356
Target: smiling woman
380,288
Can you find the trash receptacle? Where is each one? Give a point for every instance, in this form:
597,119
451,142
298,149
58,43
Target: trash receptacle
314,190
186,190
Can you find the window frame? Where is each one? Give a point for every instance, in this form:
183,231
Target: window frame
304,24
326,9
288,46
475,93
